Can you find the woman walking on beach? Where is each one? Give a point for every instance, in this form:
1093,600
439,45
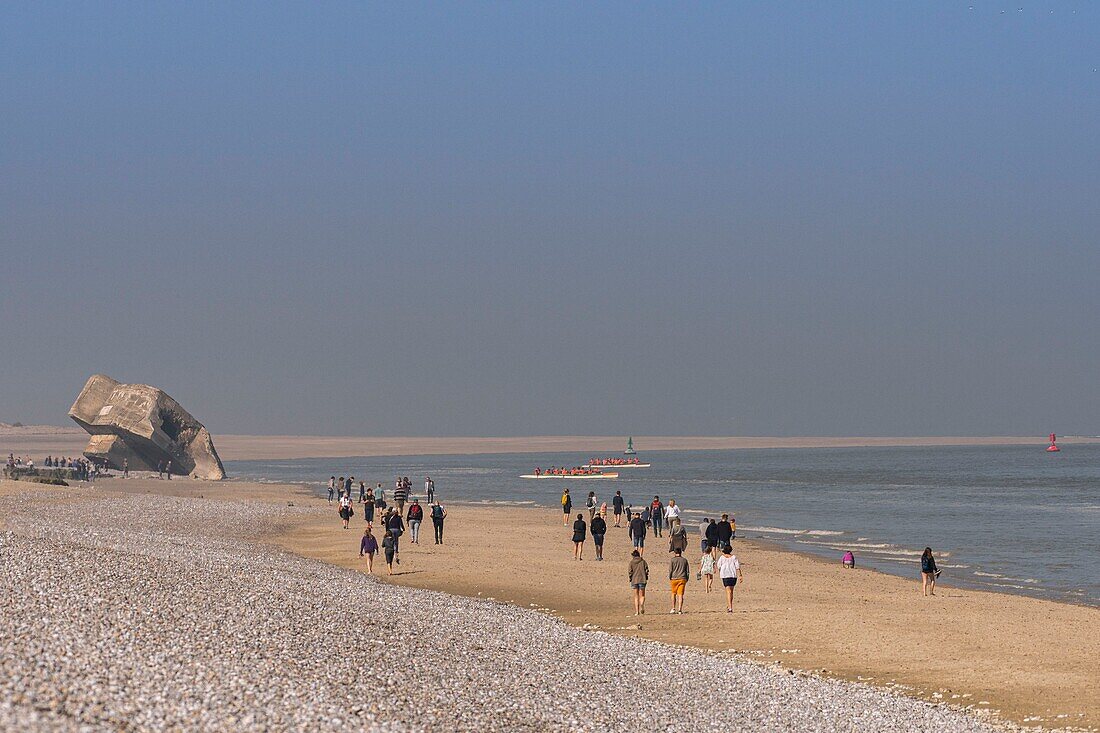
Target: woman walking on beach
345,510
331,488
439,513
368,507
396,528
638,571
928,572
599,528
367,547
566,507
729,569
389,547
580,529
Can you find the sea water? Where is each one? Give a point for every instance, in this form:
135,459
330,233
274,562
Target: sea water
1003,518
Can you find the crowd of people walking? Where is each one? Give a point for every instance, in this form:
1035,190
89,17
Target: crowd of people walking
393,520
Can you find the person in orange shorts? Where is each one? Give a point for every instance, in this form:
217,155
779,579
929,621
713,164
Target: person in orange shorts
678,572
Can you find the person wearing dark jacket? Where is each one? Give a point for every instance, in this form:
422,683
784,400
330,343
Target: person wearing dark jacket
367,547
638,531
712,538
396,527
928,572
617,507
580,529
599,528
415,517
725,532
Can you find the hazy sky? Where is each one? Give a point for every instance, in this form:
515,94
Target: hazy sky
489,219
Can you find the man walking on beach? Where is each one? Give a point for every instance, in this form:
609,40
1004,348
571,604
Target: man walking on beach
439,513
617,507
429,489
331,488
678,572
415,517
638,571
400,495
657,515
725,532
638,532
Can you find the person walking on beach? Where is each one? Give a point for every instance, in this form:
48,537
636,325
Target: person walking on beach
439,513
638,530
704,547
711,535
617,507
368,507
591,504
125,468
672,514
347,486
379,498
429,489
599,529
340,488
678,572
415,517
706,570
396,528
724,532
400,495
346,511
389,547
638,572
566,507
367,547
168,470
657,515
678,540
928,572
729,570
580,529
362,492
331,488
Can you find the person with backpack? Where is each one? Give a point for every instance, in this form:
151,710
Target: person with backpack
591,504
928,572
599,529
657,515
711,535
415,517
389,547
439,513
566,507
367,547
724,532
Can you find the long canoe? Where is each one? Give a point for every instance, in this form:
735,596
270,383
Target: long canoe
566,475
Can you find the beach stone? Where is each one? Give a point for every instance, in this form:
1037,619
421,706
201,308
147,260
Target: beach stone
145,427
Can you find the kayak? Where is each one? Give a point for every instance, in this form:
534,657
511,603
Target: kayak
565,475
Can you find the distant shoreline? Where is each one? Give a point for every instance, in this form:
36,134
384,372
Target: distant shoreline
39,441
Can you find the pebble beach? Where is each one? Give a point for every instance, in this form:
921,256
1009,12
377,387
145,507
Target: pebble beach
151,613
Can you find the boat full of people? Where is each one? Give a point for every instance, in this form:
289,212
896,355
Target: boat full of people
578,472
615,463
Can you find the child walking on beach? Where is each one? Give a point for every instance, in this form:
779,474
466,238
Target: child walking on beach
706,570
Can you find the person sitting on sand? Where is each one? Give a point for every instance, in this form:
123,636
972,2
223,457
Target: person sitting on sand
849,560
389,546
367,547
678,572
638,572
928,572
580,529
706,570
729,570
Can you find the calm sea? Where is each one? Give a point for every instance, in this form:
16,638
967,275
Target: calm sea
1010,518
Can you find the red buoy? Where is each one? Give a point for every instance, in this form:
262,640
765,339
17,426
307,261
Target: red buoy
1053,447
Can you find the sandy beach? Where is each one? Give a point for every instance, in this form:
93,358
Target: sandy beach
1035,661
144,605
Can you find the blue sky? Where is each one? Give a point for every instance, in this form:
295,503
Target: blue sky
487,219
